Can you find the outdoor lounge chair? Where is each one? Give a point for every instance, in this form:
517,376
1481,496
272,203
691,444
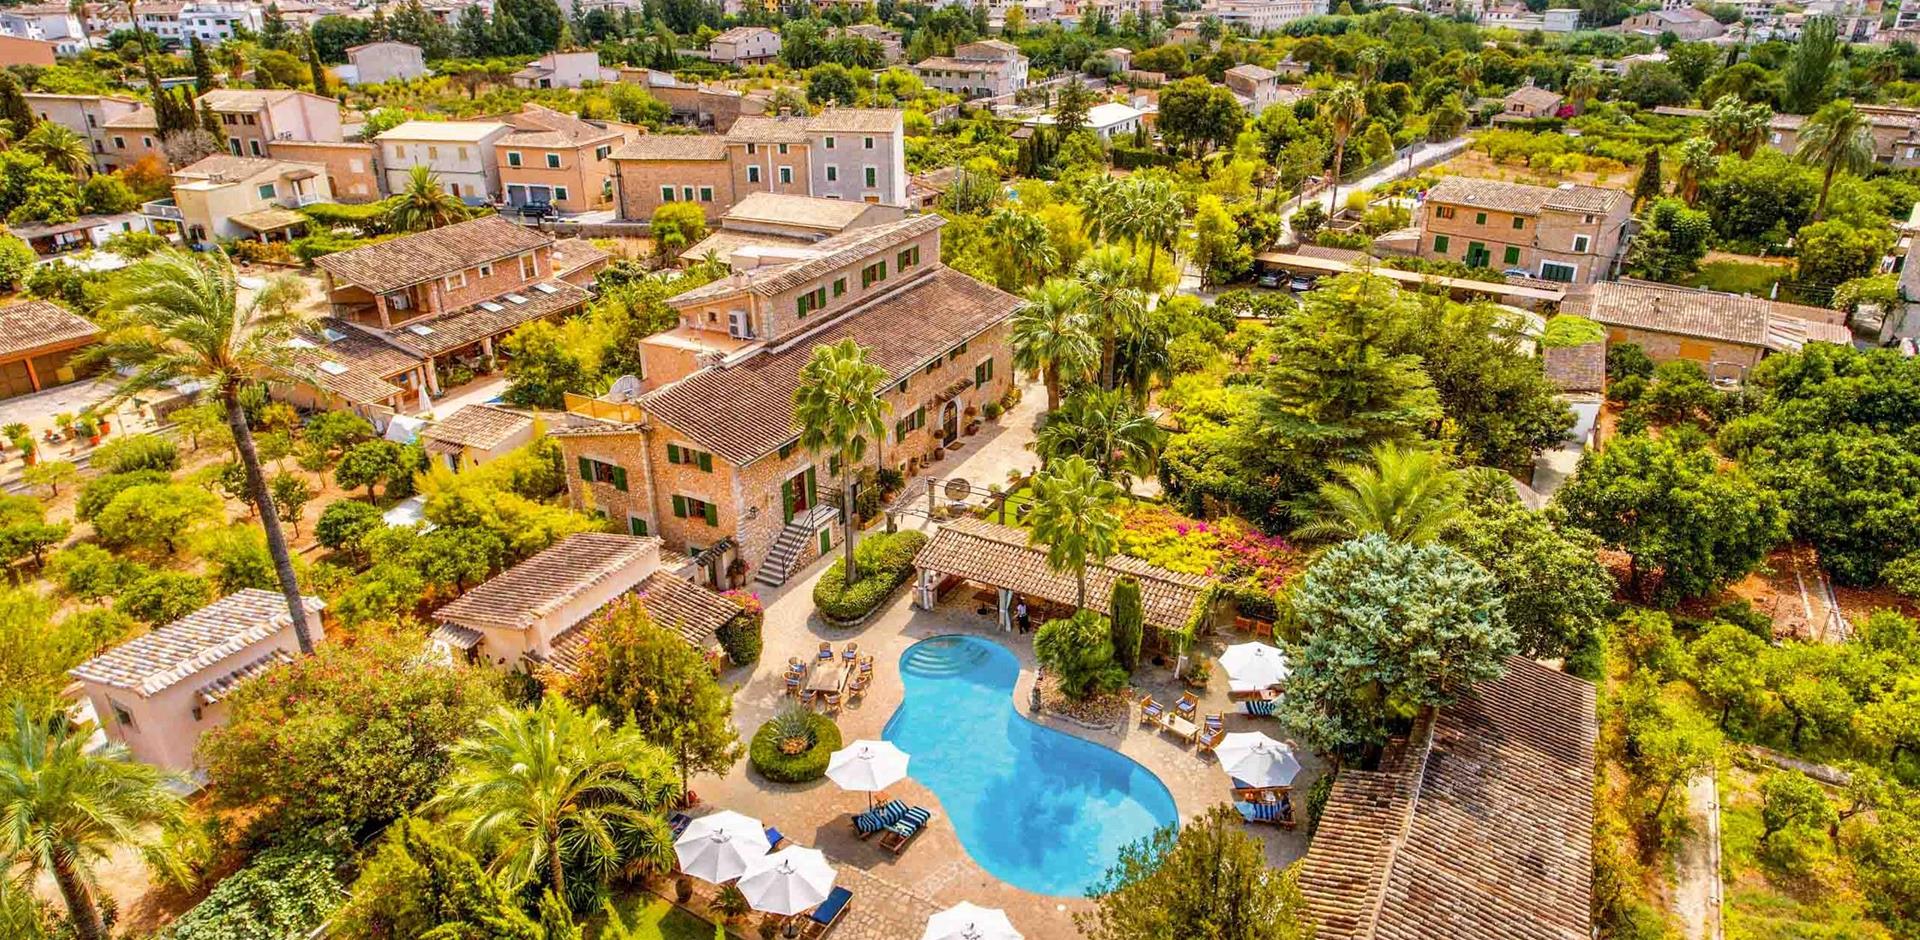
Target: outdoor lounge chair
678,822
833,701
1150,710
774,838
1210,739
905,828
858,686
878,818
852,653
1274,813
1262,708
1188,707
828,913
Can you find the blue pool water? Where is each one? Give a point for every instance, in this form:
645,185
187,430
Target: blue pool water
1039,809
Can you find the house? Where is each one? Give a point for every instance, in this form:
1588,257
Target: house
52,23
856,154
1895,131
213,23
133,137
534,614
1727,334
1571,233
1530,103
1119,59
702,105
778,220
353,166
48,239
461,153
17,51
745,45
447,295
888,40
87,116
556,159
38,341
157,692
564,70
1256,88
476,434
1106,120
375,62
241,197
1184,32
1689,24
703,452
987,69
1478,824
1258,17
348,367
252,120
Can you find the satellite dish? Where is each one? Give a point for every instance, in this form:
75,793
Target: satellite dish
958,488
625,388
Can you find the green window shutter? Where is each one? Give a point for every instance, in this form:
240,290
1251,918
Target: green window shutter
833,465
679,506
673,453
786,499
786,450
1440,243
899,431
1479,218
636,525
620,479
1519,221
706,462
813,488
586,469
713,514
1513,255
920,417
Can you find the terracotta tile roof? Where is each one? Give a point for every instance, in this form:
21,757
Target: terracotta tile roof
32,325
789,209
222,687
449,331
244,99
1682,311
761,128
725,242
482,426
141,119
1001,556
1481,826
171,654
741,33
674,147
524,593
573,254
901,330
234,169
857,120
826,256
535,126
1521,198
1252,73
1534,97
949,64
673,602
351,362
1577,368
410,259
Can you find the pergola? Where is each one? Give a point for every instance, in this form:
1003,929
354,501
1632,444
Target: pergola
1000,556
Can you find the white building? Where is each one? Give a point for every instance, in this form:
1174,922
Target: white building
1107,120
988,69
1256,17
216,22
564,70
461,153
745,45
53,23
376,62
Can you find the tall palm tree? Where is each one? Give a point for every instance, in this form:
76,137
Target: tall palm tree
1367,65
1469,70
839,409
1115,304
63,809
1837,138
1050,336
1344,107
1695,166
1583,84
1107,428
1156,212
1737,127
58,147
1407,494
1022,248
424,205
1103,208
546,790
1073,516
179,316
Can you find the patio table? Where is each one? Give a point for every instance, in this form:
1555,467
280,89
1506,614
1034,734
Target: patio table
827,676
1184,729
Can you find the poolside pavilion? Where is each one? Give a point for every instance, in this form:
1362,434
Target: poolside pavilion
1000,559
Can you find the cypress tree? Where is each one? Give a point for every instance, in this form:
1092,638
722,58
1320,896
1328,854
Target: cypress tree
202,67
1128,622
1647,188
211,122
13,105
318,71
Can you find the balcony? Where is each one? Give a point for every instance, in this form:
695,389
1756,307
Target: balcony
162,209
302,200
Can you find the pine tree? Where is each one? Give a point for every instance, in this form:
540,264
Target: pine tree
13,105
381,31
1647,188
202,67
1128,622
274,33
471,38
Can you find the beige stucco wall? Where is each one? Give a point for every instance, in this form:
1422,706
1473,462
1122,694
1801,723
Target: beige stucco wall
585,176
353,172
504,648
769,161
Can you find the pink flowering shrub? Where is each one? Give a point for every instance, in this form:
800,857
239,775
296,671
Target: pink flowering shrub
1228,550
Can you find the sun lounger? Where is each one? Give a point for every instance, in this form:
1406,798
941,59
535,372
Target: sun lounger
678,822
1262,708
879,817
1150,711
905,828
828,913
1276,814
774,838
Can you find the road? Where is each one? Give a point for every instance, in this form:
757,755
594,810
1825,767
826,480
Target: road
1423,156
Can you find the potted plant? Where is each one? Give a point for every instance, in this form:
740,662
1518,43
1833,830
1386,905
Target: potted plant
28,450
683,889
88,426
973,420
64,421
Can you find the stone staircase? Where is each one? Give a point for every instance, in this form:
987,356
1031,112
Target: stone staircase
793,542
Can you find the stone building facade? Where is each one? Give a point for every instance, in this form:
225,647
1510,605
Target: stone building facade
1570,233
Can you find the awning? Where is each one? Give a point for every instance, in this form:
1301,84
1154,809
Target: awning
456,636
222,687
298,175
270,220
950,391
435,445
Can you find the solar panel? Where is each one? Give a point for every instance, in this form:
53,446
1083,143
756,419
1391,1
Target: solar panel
516,298
490,306
333,368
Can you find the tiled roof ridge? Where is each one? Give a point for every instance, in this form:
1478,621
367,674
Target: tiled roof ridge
621,550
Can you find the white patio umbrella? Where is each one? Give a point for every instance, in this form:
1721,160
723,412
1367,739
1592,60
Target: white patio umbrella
866,766
718,847
1257,759
788,881
969,921
1252,667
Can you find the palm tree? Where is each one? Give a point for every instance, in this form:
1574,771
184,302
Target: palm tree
58,147
1073,516
63,809
1107,428
1407,494
838,408
1344,108
1837,138
1156,212
178,316
1050,336
1583,84
544,790
424,205
1115,304
1367,65
1696,165
1469,70
1104,210
1737,127
1021,247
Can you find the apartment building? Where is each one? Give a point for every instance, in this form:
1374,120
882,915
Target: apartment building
461,153
1258,17
1569,233
780,221
556,159
565,70
160,19
1256,88
241,197
703,452
87,116
252,120
131,137
745,45
856,154
51,23
986,69
217,22
375,62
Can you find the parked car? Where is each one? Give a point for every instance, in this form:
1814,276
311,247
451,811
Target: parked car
1270,279
1301,282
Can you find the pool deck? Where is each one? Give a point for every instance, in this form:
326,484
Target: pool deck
894,894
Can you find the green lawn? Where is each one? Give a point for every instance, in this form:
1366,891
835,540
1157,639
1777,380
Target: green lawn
655,918
1736,277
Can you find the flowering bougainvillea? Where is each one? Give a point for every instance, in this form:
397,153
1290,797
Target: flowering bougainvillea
1229,550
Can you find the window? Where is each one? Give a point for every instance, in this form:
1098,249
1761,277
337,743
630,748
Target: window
810,301
1512,256
119,143
486,270
1443,212
902,387
456,280
839,286
829,143
1479,218
598,471
1555,271
686,194
869,142
553,161
753,174
983,372
398,151
249,120
933,366
909,424
783,150
146,142
254,146
267,191
907,259
786,450
1580,243
1590,219
956,352
529,268
666,194
690,507
433,153
636,525
786,174
1439,244
687,456
833,173
121,716
1519,222
224,119
750,149
873,177
513,158
873,273
559,194
462,152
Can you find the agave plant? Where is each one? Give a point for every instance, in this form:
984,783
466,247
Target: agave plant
793,729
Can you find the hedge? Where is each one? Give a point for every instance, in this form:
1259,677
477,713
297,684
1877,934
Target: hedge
808,765
741,638
886,562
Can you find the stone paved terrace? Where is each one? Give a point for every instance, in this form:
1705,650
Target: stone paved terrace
895,893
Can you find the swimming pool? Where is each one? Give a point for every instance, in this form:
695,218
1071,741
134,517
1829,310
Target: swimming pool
1038,809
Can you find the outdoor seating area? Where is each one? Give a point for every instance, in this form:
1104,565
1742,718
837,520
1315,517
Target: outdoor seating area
828,679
